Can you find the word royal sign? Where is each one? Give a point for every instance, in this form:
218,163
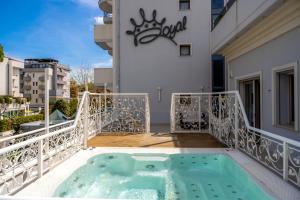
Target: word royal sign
150,30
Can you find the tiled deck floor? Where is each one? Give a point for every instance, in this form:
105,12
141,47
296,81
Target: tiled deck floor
180,140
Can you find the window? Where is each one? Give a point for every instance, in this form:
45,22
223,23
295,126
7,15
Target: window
36,92
36,83
36,100
217,4
32,83
184,4
185,50
33,75
285,96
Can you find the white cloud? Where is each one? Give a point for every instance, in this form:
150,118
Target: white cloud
107,63
98,20
89,3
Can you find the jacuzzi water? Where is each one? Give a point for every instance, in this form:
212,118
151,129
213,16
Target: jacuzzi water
160,177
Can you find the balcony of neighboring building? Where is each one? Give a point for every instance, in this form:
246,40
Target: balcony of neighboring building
236,17
42,78
27,87
61,82
61,73
42,95
105,5
107,18
42,87
103,36
27,96
27,78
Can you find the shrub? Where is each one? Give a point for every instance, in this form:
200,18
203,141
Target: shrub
13,123
73,106
62,106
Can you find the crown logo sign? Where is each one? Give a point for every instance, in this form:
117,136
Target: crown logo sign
149,30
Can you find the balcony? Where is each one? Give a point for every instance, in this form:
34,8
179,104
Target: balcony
27,87
42,87
27,96
27,78
107,18
236,17
206,117
105,5
61,73
61,82
42,78
103,36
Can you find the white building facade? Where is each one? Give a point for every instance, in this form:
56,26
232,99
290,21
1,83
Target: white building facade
10,72
249,46
260,41
157,46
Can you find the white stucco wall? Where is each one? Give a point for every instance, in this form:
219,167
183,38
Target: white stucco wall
4,77
158,64
280,51
10,70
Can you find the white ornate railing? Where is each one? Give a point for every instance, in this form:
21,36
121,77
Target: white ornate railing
7,141
34,153
122,113
223,116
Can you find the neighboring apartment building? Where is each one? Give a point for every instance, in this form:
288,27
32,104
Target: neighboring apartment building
260,41
33,80
10,71
103,78
254,48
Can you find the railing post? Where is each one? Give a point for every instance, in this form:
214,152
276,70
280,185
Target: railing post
40,158
209,113
48,74
85,121
220,112
236,122
285,157
100,115
147,112
199,121
172,120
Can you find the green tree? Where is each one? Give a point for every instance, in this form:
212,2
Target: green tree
73,107
1,53
62,106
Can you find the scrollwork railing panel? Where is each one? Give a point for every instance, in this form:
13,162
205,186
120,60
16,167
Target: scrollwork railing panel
122,113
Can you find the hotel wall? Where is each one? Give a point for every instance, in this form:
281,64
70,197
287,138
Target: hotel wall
148,66
277,52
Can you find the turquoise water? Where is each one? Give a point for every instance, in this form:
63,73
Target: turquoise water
160,177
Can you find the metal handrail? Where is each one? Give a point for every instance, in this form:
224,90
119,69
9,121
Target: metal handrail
33,131
266,133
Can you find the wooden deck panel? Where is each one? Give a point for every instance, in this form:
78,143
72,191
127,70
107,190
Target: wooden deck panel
180,140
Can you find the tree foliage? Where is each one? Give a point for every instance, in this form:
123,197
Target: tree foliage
67,108
62,106
1,53
73,89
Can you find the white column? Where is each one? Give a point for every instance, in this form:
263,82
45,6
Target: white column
48,74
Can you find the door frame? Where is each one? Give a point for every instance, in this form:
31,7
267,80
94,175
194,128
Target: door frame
257,75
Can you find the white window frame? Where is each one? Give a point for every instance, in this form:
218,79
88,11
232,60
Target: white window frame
275,70
250,76
185,44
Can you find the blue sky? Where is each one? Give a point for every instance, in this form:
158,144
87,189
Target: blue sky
60,29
